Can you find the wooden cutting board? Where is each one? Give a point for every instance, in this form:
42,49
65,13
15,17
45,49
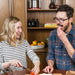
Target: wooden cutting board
52,74
70,73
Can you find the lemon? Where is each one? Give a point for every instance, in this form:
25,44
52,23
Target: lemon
34,43
42,42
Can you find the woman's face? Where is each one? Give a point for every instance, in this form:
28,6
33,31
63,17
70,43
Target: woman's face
18,29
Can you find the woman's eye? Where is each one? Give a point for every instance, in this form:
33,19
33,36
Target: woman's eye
17,27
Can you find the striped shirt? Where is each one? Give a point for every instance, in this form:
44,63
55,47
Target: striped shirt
58,53
18,52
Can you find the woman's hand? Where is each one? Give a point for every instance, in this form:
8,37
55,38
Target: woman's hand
15,63
36,68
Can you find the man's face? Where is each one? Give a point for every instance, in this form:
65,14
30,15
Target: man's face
18,29
62,20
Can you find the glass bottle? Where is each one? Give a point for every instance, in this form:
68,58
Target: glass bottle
29,23
52,5
33,23
37,23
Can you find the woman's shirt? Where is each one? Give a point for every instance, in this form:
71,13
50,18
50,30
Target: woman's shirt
18,52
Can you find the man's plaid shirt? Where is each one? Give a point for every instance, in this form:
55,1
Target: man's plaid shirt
58,53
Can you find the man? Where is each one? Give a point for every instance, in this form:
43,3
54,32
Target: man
61,46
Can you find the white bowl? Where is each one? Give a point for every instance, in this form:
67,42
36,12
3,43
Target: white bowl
45,74
38,47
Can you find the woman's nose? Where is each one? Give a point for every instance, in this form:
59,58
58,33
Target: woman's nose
20,30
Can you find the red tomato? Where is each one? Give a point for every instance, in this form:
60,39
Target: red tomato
32,73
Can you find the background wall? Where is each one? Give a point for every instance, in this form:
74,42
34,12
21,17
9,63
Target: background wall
72,4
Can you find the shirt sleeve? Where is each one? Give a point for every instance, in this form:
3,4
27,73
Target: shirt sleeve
73,57
31,54
50,54
1,68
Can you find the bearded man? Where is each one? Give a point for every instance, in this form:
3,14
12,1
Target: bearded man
61,45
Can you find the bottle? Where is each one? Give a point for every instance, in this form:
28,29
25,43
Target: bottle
52,5
33,23
37,23
29,23
29,5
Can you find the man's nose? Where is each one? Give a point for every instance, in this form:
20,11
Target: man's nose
58,22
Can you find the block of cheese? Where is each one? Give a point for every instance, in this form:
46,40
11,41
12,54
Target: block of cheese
50,25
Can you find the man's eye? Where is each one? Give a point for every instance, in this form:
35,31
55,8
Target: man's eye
61,19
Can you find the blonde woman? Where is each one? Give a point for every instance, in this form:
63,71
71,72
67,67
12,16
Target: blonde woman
13,48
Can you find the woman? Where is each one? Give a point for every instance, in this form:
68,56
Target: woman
13,48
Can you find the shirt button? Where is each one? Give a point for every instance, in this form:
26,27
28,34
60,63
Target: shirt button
56,46
64,54
63,62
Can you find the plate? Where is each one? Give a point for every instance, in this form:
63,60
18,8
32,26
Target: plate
38,47
45,74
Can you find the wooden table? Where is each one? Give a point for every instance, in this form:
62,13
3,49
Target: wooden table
27,72
56,72
63,72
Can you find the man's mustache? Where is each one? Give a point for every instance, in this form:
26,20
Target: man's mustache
59,25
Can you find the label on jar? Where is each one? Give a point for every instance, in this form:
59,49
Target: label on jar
34,3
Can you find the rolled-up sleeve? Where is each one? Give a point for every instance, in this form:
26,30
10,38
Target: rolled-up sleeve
1,68
32,55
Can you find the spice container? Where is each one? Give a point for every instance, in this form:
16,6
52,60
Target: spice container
34,4
58,3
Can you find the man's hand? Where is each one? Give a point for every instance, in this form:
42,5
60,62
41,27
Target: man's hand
48,69
61,34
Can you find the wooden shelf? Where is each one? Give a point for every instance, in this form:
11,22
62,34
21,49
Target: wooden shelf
41,28
42,50
41,10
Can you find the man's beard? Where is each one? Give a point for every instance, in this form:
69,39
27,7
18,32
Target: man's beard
65,27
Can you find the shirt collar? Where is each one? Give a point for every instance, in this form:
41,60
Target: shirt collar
71,32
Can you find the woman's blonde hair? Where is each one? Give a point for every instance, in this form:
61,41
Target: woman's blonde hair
8,31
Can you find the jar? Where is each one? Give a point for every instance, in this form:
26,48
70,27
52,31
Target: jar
34,3
58,3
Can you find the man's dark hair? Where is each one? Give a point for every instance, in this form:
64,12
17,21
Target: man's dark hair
69,10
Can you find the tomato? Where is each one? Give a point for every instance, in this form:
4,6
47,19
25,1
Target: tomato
32,73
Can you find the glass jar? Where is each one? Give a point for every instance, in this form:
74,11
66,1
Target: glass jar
58,3
34,3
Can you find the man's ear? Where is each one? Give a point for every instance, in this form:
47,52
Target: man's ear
70,19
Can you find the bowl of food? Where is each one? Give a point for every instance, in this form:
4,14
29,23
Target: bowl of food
37,44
